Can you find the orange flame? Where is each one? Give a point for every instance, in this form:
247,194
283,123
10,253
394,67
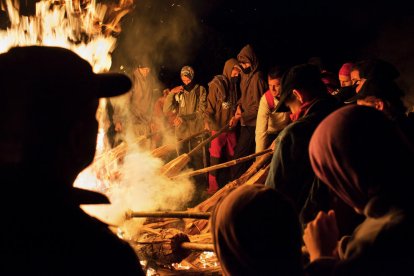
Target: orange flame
84,27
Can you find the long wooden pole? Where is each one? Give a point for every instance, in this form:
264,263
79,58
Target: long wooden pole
204,131
197,246
224,165
175,166
165,149
208,140
168,214
185,245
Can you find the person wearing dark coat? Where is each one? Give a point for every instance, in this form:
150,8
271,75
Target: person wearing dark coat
49,132
252,87
303,94
363,157
378,89
223,95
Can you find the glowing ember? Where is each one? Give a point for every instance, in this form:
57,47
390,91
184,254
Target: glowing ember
179,266
208,259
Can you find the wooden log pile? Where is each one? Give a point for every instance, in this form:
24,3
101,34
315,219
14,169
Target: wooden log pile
171,233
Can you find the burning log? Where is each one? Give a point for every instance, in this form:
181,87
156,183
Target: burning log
166,149
168,214
167,247
175,166
197,230
226,164
106,164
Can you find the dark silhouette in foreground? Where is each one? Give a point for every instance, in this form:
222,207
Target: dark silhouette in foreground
49,130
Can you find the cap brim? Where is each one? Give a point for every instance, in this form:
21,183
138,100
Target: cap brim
81,196
112,84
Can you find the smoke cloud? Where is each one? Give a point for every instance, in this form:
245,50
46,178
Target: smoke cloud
160,33
139,188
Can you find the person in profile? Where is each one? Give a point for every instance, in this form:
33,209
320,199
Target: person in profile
49,130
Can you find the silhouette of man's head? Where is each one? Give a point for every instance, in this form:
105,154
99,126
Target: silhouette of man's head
49,120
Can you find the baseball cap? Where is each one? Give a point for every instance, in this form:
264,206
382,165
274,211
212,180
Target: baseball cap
298,77
48,89
54,62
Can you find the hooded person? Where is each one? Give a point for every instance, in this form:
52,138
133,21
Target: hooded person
223,94
143,95
49,132
252,87
256,231
385,95
376,183
373,68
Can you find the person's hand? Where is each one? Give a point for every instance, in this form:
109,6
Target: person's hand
118,127
177,121
177,89
238,113
206,126
321,236
233,122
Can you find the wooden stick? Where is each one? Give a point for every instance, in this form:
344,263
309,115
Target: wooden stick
176,165
204,131
168,214
198,246
165,149
185,245
224,165
208,140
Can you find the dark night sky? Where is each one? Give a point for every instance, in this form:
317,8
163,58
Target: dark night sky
205,34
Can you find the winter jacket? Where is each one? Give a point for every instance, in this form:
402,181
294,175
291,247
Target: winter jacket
252,87
190,107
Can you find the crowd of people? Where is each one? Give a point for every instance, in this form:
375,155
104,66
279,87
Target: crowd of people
309,116
336,200
343,164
